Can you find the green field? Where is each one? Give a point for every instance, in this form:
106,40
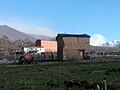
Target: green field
53,75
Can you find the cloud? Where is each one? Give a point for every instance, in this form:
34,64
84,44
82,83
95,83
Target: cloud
97,40
28,28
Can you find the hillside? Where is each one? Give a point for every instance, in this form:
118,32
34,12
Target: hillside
14,34
43,37
104,49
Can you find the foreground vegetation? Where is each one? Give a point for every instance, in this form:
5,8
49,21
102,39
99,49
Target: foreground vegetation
57,75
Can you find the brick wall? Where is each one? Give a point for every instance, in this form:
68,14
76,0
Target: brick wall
49,46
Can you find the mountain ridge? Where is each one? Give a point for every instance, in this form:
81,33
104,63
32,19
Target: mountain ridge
115,44
14,34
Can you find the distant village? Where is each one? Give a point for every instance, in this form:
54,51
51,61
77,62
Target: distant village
64,47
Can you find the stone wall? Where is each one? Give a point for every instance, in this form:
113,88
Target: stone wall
72,47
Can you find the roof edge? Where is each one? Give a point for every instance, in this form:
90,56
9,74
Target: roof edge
74,35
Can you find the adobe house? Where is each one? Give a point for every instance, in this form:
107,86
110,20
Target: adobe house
72,46
49,46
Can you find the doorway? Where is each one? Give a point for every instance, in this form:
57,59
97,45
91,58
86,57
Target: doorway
81,54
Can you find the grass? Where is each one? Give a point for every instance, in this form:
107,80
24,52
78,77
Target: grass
51,75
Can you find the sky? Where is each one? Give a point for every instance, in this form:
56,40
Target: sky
98,18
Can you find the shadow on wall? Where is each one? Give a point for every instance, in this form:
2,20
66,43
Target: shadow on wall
60,46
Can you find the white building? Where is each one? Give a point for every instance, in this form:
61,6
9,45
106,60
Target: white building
36,49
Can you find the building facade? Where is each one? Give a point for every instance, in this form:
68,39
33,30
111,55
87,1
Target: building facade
49,46
72,46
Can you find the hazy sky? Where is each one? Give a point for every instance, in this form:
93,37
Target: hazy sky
98,18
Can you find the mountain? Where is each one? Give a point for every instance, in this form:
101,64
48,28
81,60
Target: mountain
113,46
104,49
15,35
43,37
115,43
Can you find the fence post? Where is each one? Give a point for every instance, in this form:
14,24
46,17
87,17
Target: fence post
14,56
105,84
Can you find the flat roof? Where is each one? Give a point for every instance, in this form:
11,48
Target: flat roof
73,35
